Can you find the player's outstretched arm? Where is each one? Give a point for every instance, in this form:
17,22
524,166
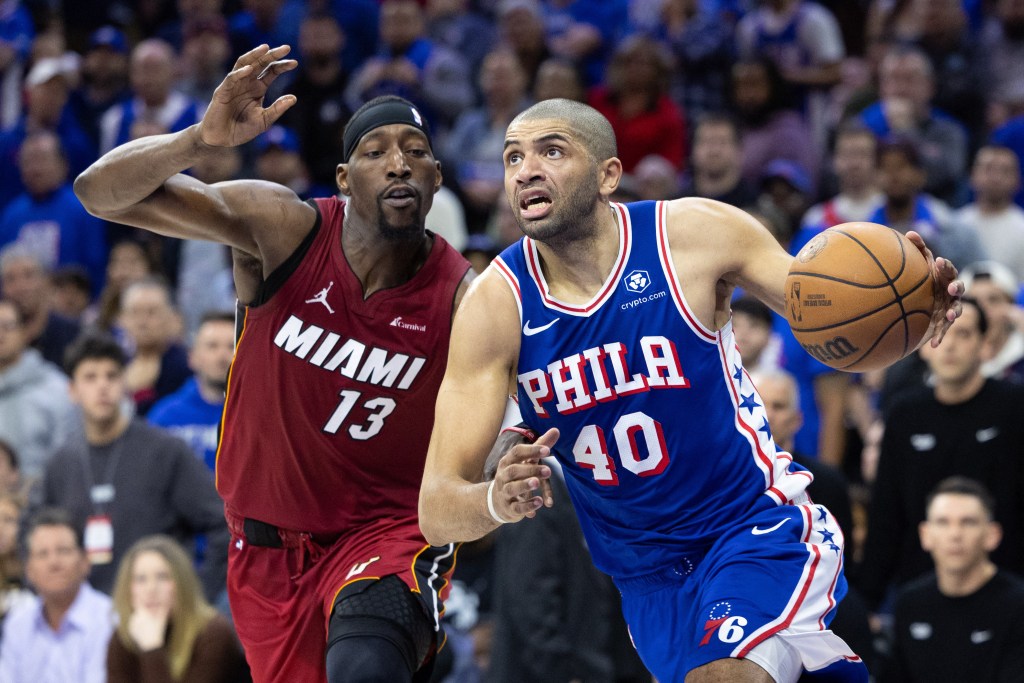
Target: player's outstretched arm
454,497
948,290
140,182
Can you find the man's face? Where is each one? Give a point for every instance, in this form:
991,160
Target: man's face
854,159
958,532
212,351
401,23
995,174
993,301
715,149
958,358
24,282
147,316
390,180
97,387
551,181
898,178
42,166
752,336
779,399
906,76
12,334
152,74
56,566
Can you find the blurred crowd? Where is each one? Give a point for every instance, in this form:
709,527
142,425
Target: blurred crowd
806,114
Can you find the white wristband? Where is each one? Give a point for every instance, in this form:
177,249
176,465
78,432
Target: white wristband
490,505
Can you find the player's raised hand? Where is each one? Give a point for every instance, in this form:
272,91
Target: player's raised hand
520,473
948,291
236,113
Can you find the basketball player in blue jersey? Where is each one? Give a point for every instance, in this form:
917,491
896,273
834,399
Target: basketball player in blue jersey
611,324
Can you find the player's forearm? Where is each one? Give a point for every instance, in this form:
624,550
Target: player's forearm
455,513
130,173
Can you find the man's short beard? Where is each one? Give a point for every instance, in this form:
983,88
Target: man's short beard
392,233
572,221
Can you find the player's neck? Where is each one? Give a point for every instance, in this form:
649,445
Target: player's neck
957,584
382,263
576,270
956,392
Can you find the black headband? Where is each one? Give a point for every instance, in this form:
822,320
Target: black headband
383,114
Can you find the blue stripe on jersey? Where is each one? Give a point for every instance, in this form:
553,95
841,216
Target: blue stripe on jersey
665,442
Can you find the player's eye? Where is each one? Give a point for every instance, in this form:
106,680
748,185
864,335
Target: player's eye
554,153
513,158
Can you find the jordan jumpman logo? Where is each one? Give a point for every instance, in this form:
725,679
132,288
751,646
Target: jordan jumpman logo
321,297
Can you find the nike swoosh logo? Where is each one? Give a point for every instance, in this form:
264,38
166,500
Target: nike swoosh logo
759,532
984,435
530,331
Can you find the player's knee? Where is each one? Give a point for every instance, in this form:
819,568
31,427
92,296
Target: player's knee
368,659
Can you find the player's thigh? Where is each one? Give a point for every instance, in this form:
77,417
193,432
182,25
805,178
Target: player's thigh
729,671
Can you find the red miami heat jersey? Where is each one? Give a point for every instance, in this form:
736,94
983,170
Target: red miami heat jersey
330,398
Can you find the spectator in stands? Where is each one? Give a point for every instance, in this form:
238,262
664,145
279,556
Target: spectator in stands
558,77
521,27
460,27
104,80
193,412
126,479
702,46
263,21
772,129
16,33
716,170
318,83
586,33
1002,40
47,217
159,363
278,160
656,178
996,289
906,88
854,162
24,280
962,622
786,188
62,634
411,65
13,590
472,152
166,628
10,471
130,261
72,291
758,343
205,56
995,177
155,107
35,411
635,101
965,425
901,177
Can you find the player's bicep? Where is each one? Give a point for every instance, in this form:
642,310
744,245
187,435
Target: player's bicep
471,401
759,264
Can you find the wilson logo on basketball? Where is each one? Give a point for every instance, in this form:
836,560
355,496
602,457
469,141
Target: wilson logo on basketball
834,349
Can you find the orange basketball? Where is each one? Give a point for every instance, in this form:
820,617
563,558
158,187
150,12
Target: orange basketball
859,296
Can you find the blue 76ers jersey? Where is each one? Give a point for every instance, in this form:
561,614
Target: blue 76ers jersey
664,441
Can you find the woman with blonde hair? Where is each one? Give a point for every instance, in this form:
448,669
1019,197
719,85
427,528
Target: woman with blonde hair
167,631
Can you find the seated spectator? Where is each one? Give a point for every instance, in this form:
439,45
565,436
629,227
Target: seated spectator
906,88
964,424
772,129
193,412
10,471
996,289
473,149
559,78
656,178
752,327
62,634
47,218
995,177
901,177
159,363
35,411
635,101
205,56
716,165
130,261
521,27
104,80
961,622
786,187
72,292
13,591
127,479
278,160
854,160
166,630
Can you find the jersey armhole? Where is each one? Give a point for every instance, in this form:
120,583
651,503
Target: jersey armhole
276,279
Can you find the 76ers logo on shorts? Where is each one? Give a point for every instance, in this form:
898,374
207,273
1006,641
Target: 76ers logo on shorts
637,281
729,628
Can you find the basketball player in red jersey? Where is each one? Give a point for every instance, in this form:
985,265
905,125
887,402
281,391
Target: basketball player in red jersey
330,398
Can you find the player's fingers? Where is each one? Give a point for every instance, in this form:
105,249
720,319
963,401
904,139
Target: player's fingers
546,493
252,56
271,71
524,452
521,471
548,438
278,108
527,508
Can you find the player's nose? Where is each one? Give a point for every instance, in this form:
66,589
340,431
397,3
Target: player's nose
529,169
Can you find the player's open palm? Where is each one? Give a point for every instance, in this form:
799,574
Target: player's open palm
948,291
236,113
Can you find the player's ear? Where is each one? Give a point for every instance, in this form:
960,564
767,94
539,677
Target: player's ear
341,178
609,176
440,177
